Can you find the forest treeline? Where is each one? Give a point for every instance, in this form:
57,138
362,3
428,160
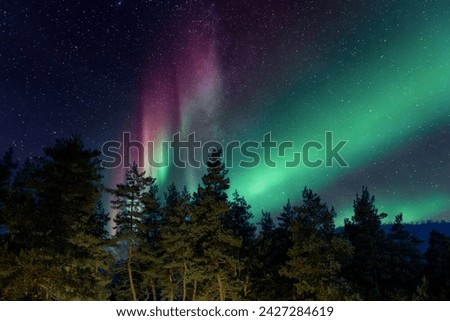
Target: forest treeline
201,246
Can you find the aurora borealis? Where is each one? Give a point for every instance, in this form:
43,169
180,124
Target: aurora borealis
375,73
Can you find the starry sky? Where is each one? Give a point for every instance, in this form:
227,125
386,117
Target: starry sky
375,73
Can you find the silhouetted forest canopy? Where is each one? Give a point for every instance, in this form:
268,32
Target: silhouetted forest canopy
196,246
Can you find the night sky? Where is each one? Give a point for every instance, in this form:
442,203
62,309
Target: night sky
375,73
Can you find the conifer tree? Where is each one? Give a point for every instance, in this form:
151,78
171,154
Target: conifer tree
176,244
216,275
369,262
53,200
437,270
137,204
7,166
98,222
20,208
267,226
282,243
405,262
265,275
68,187
287,217
237,222
317,253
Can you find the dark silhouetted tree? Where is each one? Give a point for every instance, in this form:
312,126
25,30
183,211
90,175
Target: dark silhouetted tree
405,262
266,263
437,270
281,286
7,167
137,204
368,239
98,222
53,199
287,217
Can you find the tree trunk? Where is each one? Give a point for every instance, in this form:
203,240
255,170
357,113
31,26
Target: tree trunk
170,285
221,289
130,272
246,285
154,290
184,281
194,294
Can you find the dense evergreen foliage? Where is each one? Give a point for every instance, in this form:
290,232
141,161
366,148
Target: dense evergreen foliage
55,245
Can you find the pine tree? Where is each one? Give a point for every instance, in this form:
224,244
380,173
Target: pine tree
238,219
7,166
272,245
285,222
176,244
98,222
237,222
68,187
437,270
135,230
53,201
265,267
216,274
317,253
267,226
405,263
287,217
282,287
368,239
20,209
151,269
422,291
